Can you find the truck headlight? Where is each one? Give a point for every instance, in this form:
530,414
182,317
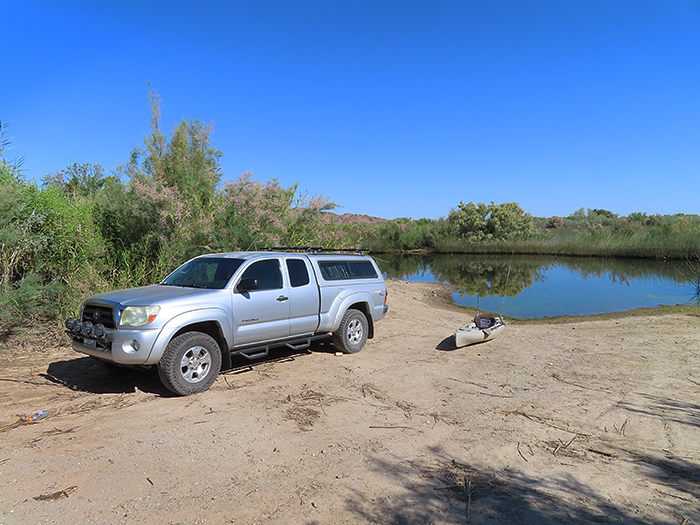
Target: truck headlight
138,315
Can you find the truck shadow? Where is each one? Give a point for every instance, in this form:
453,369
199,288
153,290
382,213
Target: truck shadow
85,374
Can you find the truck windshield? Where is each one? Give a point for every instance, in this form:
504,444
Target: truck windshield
205,272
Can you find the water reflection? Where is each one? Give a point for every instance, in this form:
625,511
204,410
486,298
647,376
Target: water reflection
543,286
694,287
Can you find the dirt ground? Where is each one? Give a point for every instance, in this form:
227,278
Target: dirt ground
578,422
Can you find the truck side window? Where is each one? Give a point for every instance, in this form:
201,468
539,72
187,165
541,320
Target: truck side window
267,273
298,274
339,270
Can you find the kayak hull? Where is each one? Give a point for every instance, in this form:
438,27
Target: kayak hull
470,334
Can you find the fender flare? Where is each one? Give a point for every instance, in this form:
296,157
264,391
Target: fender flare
191,317
364,298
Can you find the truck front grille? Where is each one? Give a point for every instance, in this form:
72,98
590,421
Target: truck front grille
99,314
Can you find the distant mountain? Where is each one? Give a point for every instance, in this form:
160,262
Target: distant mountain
352,218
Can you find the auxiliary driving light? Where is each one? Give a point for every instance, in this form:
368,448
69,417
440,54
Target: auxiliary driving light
86,328
99,330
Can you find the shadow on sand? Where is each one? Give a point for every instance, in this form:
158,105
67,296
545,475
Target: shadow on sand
438,489
87,374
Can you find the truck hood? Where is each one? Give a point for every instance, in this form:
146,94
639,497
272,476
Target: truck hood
153,294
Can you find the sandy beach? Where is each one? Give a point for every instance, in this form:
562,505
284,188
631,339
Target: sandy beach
590,420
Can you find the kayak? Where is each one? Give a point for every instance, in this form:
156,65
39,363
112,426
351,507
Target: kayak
481,328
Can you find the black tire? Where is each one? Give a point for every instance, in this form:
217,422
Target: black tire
190,363
352,332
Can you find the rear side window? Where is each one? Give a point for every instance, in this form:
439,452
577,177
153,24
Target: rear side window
267,273
298,273
337,270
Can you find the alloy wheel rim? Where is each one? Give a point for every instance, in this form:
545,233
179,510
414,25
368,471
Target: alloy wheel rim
355,331
195,364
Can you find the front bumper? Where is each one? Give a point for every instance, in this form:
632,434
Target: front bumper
127,347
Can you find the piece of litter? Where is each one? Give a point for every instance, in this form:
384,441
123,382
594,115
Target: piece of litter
339,354
38,416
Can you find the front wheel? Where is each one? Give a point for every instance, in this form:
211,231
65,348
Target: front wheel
352,332
190,363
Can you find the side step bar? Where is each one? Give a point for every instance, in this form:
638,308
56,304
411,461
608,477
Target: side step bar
297,345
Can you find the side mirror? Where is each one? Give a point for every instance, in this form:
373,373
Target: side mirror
246,285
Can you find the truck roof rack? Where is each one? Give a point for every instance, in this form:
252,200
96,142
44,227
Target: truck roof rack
315,250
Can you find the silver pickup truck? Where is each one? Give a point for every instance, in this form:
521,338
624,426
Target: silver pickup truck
217,306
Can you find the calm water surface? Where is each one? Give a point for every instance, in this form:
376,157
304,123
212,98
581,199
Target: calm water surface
535,287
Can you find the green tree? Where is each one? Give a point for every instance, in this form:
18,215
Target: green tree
186,161
469,221
250,214
165,209
49,245
80,180
638,216
304,221
481,222
16,242
509,221
602,213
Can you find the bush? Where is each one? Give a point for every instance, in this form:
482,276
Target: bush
555,222
30,299
481,222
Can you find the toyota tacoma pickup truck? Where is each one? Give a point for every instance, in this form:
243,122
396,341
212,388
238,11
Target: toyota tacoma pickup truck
217,306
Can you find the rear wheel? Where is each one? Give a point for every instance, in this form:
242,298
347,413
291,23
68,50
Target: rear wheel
352,332
190,363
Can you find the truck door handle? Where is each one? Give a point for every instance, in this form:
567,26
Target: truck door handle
282,298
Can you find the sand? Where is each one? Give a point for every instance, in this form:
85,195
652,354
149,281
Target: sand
594,420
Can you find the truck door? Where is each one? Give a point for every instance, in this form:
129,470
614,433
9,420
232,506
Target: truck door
304,297
261,315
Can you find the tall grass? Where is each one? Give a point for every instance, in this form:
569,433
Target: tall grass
650,244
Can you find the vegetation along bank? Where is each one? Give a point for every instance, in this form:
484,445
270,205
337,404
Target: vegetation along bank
86,228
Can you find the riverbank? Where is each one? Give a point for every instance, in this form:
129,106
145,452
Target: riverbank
589,420
669,238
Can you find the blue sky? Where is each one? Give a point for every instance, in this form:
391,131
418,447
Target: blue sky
390,108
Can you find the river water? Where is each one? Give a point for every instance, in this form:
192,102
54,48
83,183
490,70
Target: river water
541,286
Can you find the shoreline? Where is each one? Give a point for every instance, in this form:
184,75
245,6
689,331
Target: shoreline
643,311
